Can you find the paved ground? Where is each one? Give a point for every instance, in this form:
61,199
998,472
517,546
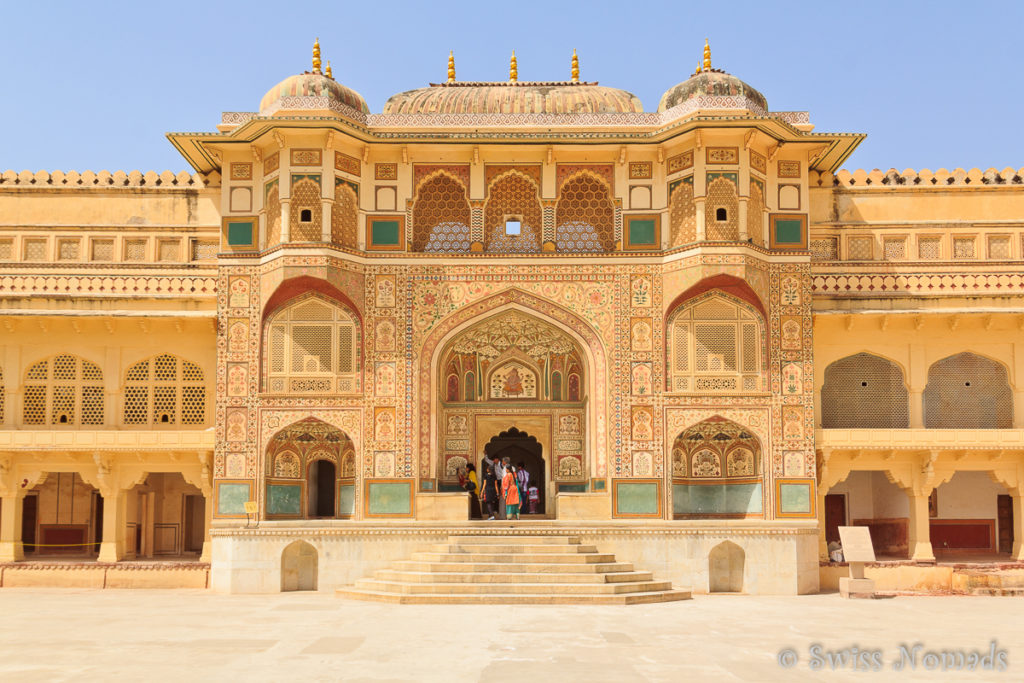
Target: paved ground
162,635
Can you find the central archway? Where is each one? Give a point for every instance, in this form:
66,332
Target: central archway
310,471
522,450
509,368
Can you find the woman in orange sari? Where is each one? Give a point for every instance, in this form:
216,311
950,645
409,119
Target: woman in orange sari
510,493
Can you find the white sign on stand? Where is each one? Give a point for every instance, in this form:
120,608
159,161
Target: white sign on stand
857,549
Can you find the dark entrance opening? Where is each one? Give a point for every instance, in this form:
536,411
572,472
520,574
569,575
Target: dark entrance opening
320,488
520,447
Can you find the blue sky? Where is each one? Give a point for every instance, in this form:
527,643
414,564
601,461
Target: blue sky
96,85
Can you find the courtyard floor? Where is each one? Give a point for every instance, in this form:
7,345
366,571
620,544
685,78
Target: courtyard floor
183,635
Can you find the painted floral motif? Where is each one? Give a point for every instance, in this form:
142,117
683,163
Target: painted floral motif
740,463
793,464
458,424
569,424
570,467
236,425
642,382
705,463
384,424
643,424
384,464
791,379
385,295
384,379
385,334
287,465
791,333
238,292
790,287
642,334
238,379
641,292
235,466
238,336
643,464
792,423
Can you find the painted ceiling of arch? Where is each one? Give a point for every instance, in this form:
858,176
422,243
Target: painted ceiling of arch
494,336
716,431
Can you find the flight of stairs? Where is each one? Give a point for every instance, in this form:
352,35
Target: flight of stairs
500,570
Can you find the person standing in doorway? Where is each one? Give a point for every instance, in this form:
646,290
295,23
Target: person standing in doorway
472,485
523,481
491,493
510,493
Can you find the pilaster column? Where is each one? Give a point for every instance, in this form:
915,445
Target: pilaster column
919,533
1017,496
205,555
698,209
286,220
742,218
822,540
115,515
11,548
325,224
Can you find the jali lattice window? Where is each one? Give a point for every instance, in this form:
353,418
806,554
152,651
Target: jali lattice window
682,213
585,215
714,344
512,194
441,216
164,390
968,391
864,391
313,347
63,390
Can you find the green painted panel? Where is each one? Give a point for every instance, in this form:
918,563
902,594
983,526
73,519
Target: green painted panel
795,498
788,231
599,484
240,233
385,233
572,488
721,499
284,499
642,232
429,486
636,498
231,498
347,499
390,498
449,488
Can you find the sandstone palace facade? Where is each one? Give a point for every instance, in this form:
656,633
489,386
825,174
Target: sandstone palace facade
709,345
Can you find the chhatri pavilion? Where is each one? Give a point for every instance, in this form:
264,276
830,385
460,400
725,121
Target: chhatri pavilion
709,346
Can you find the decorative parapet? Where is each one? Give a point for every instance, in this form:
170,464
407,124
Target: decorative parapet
108,179
920,439
442,119
892,178
106,440
109,285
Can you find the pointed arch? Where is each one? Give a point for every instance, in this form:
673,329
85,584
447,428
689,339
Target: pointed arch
717,471
585,214
968,391
164,390
864,391
441,214
424,393
64,389
513,193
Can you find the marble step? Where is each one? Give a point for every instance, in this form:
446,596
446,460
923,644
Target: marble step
501,548
546,558
509,577
374,585
510,567
516,599
515,540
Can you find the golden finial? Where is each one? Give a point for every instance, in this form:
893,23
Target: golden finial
698,69
316,56
575,67
328,72
451,66
513,69
707,55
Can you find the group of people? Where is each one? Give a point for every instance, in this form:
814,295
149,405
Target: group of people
505,489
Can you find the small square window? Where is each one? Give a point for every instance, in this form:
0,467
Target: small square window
513,227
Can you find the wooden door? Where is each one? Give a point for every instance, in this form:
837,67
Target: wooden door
28,522
1004,514
835,515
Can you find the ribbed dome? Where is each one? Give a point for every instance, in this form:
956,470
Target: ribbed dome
310,91
711,83
524,97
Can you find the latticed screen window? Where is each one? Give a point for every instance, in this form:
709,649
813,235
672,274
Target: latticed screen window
6,249
968,391
864,392
164,390
895,248
102,250
63,390
313,347
135,250
963,247
203,250
67,250
35,249
999,247
859,249
714,344
168,250
929,248
826,249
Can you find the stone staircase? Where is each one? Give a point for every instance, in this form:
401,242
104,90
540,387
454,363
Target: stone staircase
500,570
989,581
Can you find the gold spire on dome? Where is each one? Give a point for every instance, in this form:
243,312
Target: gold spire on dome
328,72
316,56
698,69
575,67
707,55
451,66
513,68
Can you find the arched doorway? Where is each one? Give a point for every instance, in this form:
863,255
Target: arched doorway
522,449
320,485
310,472
299,567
